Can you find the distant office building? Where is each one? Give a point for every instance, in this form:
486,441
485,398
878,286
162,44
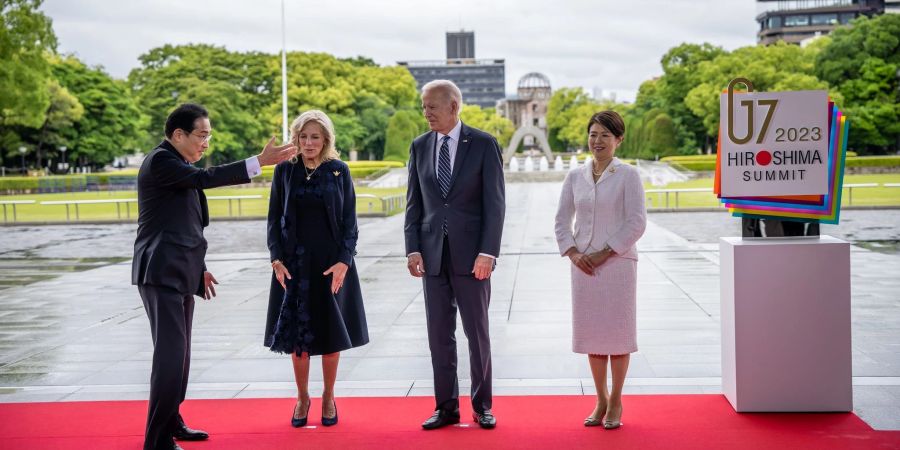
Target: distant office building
461,45
794,21
482,81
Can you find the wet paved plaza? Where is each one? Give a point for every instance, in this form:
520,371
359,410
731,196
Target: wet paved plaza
73,328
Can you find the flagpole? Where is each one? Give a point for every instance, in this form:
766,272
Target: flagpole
284,114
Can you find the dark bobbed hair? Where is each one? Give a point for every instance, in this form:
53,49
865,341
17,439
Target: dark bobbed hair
610,120
184,117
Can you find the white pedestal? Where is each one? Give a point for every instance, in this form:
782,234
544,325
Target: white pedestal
786,324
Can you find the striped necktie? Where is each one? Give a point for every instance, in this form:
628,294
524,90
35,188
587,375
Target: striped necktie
444,166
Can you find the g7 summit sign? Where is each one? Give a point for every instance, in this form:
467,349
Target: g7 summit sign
774,143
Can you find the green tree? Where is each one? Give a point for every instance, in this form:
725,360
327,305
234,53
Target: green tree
638,133
243,94
862,62
404,126
364,94
64,111
663,137
349,133
112,124
568,113
779,67
26,35
236,88
574,133
360,61
393,85
679,77
489,121
373,114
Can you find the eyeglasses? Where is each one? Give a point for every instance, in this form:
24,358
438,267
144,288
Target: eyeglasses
203,137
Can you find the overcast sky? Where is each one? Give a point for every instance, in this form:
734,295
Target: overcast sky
604,44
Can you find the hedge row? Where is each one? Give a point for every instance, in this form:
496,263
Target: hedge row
128,178
874,161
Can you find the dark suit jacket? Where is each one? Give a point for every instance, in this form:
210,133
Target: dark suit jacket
170,247
340,206
474,208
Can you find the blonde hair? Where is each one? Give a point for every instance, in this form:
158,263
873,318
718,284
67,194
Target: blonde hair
329,151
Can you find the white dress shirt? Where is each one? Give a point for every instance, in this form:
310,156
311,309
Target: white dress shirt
452,145
253,168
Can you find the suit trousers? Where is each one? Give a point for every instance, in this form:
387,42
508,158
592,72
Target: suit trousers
170,314
443,294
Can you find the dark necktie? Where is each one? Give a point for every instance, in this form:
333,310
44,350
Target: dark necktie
444,173
444,166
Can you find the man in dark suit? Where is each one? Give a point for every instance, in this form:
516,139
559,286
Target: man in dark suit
454,219
168,266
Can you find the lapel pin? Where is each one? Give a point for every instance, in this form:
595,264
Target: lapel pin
336,173
612,170
465,140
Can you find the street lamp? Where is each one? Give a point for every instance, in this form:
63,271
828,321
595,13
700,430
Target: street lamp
22,151
65,164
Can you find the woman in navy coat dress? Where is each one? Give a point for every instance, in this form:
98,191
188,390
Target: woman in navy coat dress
315,303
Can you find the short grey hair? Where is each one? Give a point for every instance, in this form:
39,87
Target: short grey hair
447,87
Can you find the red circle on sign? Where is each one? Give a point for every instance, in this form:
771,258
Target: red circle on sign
763,157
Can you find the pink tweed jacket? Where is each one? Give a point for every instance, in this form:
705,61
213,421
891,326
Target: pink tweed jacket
608,212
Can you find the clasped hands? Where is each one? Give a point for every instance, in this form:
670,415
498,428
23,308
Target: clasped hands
482,268
587,262
338,272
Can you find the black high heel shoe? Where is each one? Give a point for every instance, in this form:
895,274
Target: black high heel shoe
297,423
329,421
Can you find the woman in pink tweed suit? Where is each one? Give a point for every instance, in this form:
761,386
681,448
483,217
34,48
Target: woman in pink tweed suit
606,201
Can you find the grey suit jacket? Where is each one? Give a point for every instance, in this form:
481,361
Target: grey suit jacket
474,208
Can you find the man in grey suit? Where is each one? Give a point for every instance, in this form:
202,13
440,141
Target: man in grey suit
454,219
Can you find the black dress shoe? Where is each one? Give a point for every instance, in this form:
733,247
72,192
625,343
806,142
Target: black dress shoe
301,422
441,418
183,433
485,420
329,421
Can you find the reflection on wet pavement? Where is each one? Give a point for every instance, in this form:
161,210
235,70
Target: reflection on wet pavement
23,271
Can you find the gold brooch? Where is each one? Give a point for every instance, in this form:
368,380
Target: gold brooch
336,173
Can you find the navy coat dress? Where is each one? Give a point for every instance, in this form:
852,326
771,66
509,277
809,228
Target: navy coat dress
311,226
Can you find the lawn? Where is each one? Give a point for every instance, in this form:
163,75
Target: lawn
870,196
217,208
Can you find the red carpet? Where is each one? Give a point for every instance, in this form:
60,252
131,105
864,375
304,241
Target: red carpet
546,422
